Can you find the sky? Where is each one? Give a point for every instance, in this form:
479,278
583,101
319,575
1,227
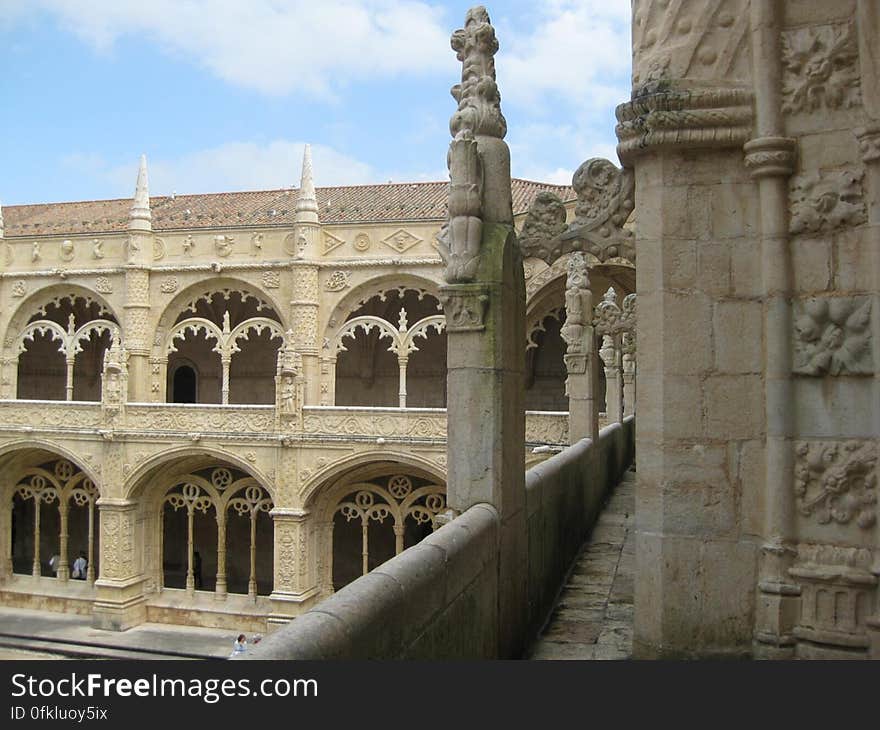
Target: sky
221,95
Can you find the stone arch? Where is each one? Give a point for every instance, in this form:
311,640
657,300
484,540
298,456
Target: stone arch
58,357
48,512
369,512
371,365
191,457
185,332
325,478
191,502
374,286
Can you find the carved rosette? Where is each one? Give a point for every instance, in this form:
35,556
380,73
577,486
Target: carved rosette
465,307
832,336
836,481
825,201
770,156
821,68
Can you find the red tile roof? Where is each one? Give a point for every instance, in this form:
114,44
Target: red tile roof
384,203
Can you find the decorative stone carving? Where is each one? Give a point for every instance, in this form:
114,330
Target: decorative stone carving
289,244
114,381
271,279
688,39
770,156
479,102
187,245
169,285
337,281
159,249
611,319
362,242
68,251
545,222
458,242
97,249
684,119
832,336
103,285
823,202
35,252
869,142
401,240
256,244
577,290
837,481
223,245
465,306
329,243
605,201
821,68
19,288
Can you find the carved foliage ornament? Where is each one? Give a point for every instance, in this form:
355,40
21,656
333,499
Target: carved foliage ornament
836,481
465,307
821,68
832,336
823,202
605,200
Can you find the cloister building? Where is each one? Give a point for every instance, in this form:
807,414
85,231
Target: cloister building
233,404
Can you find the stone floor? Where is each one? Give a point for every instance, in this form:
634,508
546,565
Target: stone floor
593,616
26,632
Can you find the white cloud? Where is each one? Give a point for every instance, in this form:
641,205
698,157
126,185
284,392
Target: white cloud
229,167
274,46
576,52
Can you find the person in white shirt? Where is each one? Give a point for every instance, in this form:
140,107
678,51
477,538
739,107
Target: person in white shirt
79,567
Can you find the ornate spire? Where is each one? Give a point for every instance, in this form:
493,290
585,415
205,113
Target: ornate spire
139,217
307,202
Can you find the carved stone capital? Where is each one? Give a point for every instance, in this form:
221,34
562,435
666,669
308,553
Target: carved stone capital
770,156
869,142
697,118
465,306
575,364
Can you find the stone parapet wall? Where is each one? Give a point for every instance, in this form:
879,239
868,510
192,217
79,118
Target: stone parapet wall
439,598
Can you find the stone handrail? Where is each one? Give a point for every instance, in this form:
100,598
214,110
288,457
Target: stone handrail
542,427
438,599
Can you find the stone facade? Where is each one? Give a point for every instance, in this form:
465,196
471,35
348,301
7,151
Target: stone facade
758,252
248,390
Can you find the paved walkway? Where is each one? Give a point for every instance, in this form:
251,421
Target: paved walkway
593,617
62,635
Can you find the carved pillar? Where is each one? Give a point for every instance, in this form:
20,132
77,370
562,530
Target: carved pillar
401,363
136,334
220,585
682,134
225,362
7,504
304,321
119,602
295,578
328,381
613,394
484,303
63,570
68,385
628,367
36,568
580,357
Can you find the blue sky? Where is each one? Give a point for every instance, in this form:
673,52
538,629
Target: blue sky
222,94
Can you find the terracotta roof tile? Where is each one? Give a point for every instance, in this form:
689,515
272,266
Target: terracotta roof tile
386,203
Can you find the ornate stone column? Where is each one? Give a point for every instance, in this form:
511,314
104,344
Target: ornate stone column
628,348
682,134
136,333
613,390
304,319
119,601
295,579
580,358
484,303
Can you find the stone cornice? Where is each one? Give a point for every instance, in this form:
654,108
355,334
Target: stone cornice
697,118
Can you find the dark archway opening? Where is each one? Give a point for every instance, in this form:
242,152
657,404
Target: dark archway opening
184,387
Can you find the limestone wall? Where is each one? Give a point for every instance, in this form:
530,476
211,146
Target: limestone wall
439,598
